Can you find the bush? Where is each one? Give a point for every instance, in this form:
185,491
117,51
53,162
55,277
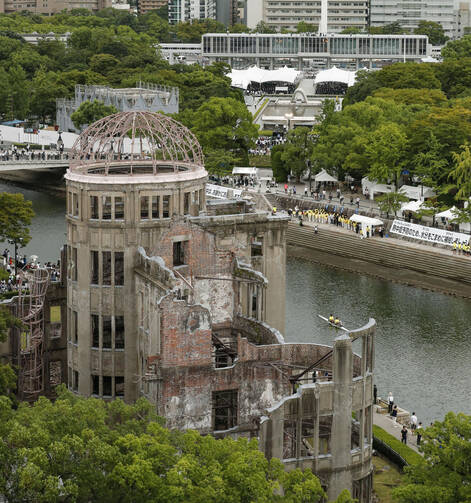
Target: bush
265,132
406,453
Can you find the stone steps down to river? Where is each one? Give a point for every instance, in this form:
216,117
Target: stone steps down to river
383,257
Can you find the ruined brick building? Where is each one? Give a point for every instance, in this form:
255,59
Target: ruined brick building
181,300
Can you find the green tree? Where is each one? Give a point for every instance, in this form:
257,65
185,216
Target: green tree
391,202
461,173
434,31
15,218
45,89
103,63
223,124
19,92
444,475
408,96
385,153
429,164
303,27
298,149
263,27
89,112
457,49
279,167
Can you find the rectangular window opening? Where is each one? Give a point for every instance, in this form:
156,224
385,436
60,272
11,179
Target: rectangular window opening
225,409
144,207
119,332
166,207
94,267
106,268
178,253
106,332
74,327
107,391
94,210
95,385
106,207
155,207
119,268
95,331
119,208
119,386
76,381
74,264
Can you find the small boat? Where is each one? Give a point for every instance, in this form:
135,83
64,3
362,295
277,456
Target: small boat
339,327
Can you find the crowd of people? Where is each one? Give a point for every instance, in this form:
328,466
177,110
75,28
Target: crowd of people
415,425
264,144
26,154
13,282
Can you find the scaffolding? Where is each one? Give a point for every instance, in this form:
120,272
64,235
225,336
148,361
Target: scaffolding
32,292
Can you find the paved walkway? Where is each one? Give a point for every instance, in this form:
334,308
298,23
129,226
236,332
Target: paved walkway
385,421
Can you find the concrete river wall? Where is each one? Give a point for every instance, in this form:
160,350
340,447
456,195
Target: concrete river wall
384,258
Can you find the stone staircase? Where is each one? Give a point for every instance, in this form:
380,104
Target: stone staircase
384,258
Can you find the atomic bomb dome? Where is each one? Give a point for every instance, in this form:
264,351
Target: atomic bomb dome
136,143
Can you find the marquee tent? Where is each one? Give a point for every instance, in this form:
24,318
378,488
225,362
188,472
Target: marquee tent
336,75
413,206
323,176
419,192
366,220
449,214
254,74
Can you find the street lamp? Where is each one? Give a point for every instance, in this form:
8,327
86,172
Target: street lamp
16,242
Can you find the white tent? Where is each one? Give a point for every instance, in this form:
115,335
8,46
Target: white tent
413,206
336,75
323,176
243,78
449,214
375,188
372,222
419,192
244,171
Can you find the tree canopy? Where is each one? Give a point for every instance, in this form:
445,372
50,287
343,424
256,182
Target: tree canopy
434,31
82,450
89,112
16,215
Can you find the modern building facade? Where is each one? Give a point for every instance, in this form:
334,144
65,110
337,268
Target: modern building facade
142,97
306,51
286,14
224,11
409,14
180,300
50,7
144,6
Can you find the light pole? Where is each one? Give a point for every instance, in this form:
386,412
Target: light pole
60,143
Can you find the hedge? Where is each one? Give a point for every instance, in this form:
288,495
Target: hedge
401,454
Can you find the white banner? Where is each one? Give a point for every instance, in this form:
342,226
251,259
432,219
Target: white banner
222,192
430,234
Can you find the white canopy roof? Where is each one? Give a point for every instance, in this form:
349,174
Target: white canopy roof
374,187
244,171
419,192
336,75
366,220
413,206
242,78
323,176
449,213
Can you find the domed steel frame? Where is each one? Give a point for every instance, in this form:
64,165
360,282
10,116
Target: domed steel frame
130,143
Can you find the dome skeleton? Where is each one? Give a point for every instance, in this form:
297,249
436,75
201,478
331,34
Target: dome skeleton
131,141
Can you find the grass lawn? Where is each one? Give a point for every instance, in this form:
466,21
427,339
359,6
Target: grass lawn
386,477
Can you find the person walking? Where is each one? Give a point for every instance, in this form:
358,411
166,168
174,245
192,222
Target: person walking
413,422
375,394
394,413
404,435
419,434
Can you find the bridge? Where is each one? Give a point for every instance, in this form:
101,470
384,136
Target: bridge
35,165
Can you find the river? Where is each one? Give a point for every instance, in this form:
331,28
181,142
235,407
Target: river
423,349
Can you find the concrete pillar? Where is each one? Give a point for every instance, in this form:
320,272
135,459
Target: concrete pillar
342,416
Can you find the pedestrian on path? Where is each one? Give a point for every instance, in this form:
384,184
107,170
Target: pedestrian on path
419,434
394,413
413,422
375,394
390,402
404,435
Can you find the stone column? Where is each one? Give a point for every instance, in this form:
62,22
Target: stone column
341,477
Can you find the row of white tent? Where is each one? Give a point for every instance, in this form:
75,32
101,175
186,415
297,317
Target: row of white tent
243,78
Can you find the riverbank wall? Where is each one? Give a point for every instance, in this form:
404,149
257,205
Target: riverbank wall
383,258
50,181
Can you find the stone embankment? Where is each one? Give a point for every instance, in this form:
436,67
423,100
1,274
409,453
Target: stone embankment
388,258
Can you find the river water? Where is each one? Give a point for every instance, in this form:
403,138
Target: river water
423,342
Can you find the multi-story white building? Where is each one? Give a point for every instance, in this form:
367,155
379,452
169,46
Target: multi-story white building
408,14
224,11
50,7
286,14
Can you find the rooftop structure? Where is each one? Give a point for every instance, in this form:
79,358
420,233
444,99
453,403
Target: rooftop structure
310,51
144,6
144,96
51,6
329,16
